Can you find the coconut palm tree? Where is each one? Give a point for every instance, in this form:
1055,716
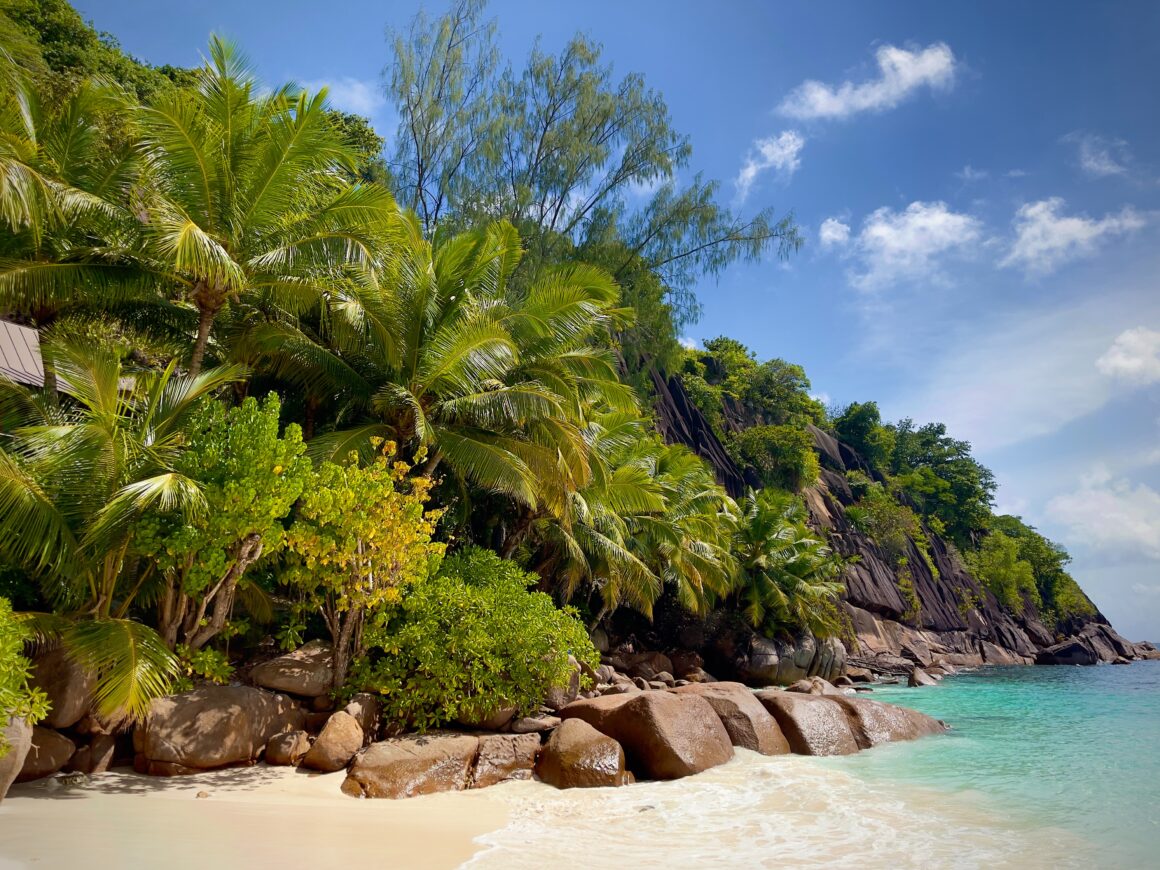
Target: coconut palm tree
74,479
787,576
63,185
652,517
242,199
443,357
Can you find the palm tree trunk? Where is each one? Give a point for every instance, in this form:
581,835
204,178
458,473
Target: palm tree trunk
204,322
209,299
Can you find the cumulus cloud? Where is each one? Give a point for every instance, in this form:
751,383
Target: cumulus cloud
780,153
900,74
833,233
910,244
1134,356
1100,157
1045,238
689,342
1111,514
359,96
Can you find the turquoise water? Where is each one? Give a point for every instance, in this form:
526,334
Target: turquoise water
1076,749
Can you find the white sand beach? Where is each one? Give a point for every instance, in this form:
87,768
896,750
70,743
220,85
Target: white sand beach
254,817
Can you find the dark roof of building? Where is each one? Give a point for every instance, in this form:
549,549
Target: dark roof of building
20,354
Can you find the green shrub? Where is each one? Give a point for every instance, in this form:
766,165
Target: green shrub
17,698
470,641
783,455
891,524
1010,578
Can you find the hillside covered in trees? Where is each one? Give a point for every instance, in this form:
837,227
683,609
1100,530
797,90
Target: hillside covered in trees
295,387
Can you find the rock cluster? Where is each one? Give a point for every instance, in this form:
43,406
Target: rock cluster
638,721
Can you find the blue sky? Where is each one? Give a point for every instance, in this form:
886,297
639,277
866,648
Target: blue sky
979,184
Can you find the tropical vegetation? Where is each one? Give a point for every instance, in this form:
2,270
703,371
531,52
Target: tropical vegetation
295,386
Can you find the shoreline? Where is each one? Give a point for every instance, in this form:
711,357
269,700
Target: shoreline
258,816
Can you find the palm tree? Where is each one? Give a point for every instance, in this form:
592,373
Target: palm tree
63,184
446,359
73,481
652,517
787,576
241,199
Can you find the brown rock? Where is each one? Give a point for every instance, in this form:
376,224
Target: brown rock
697,675
50,751
665,735
17,736
504,757
308,671
685,661
315,721
336,745
68,685
597,711
813,724
409,766
1070,652
747,722
534,724
492,721
874,723
814,686
97,756
364,707
561,696
666,678
287,748
579,756
213,726
859,675
919,677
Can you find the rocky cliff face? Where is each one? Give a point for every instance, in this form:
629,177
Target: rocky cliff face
958,621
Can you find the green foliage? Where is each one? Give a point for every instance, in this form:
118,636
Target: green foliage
784,456
1011,579
361,535
468,642
17,697
210,665
652,516
893,526
1061,596
70,50
860,426
250,477
561,148
941,477
789,579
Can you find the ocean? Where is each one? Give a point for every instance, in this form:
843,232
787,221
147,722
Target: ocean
1044,767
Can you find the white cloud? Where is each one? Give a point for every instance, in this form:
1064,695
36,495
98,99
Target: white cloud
1045,238
1147,591
968,174
1101,157
833,232
1023,372
1133,356
824,398
901,73
359,96
1111,514
1015,173
908,245
689,342
780,153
